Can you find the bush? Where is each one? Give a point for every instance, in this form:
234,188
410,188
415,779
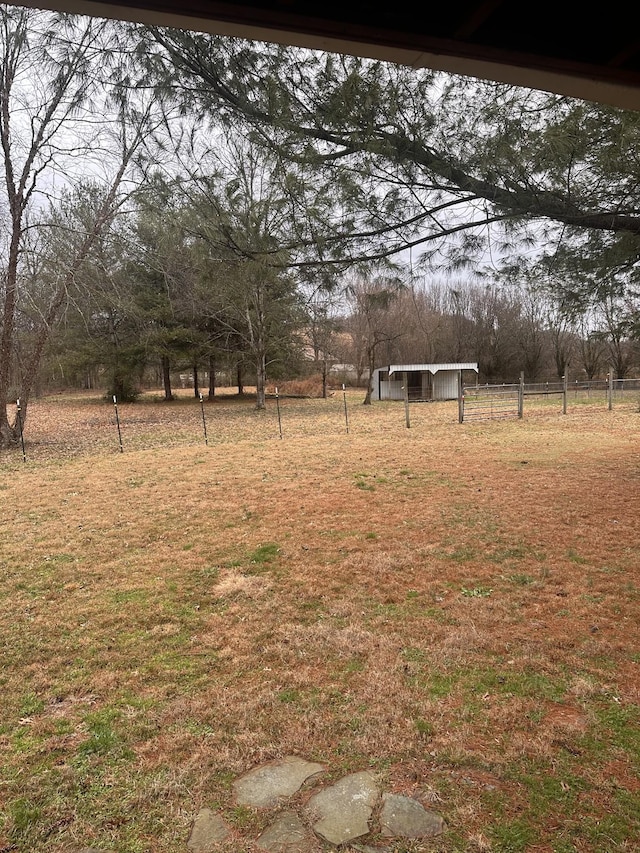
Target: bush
309,387
123,387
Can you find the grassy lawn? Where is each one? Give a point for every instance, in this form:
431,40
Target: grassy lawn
454,607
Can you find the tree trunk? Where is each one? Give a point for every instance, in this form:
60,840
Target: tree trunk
196,388
166,378
9,433
212,377
240,385
261,381
324,378
371,353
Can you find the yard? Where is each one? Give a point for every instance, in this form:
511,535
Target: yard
453,607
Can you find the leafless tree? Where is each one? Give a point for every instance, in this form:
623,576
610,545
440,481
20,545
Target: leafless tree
52,109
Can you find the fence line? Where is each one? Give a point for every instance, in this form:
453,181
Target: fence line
507,400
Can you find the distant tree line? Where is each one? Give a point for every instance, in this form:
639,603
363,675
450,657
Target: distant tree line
167,319
505,328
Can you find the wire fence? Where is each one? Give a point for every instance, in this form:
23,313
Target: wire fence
619,387
492,402
68,427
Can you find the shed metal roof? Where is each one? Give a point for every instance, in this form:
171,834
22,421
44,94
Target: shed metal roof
432,368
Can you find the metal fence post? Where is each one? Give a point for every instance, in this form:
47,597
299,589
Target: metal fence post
346,414
204,421
19,417
115,406
278,411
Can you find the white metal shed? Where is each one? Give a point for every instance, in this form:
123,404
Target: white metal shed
424,381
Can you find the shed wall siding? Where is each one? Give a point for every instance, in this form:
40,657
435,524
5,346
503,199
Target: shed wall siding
445,385
391,390
427,386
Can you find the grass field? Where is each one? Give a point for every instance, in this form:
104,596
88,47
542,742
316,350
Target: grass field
454,607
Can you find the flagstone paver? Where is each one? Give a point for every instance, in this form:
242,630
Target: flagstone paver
209,830
265,786
344,809
403,817
287,835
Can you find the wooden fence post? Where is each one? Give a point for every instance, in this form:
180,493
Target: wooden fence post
521,396
610,388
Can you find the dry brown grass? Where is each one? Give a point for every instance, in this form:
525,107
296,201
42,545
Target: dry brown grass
453,606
